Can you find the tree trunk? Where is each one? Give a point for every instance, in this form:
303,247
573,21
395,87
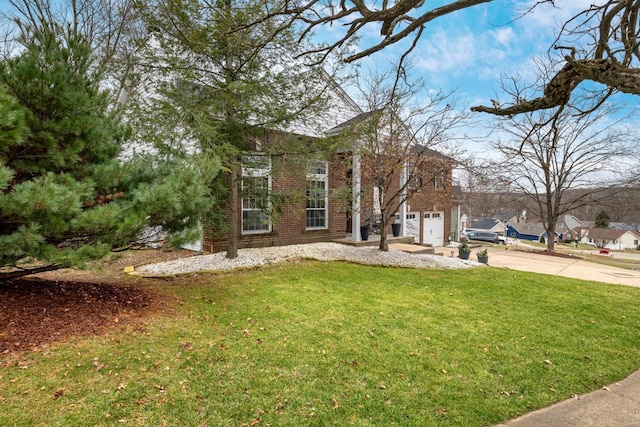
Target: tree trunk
384,246
232,246
551,236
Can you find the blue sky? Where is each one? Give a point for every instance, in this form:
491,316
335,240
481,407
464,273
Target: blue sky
471,50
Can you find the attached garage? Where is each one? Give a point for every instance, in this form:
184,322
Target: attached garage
431,231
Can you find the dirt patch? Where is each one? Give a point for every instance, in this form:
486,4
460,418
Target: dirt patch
39,310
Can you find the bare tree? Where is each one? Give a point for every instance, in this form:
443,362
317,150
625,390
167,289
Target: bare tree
397,141
112,28
601,42
601,45
546,154
485,193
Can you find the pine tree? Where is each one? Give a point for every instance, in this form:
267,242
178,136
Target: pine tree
602,219
225,75
66,196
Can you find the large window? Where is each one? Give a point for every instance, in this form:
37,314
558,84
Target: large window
438,180
256,188
317,195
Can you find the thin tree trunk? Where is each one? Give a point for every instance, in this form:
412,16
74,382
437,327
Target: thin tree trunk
232,246
384,245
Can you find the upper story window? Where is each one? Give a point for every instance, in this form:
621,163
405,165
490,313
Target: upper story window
317,194
438,180
256,189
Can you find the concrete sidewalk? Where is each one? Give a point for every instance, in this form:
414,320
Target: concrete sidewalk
612,406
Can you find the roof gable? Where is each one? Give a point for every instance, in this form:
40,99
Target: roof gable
533,229
483,223
606,233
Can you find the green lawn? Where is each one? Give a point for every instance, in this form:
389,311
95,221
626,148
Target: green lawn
338,344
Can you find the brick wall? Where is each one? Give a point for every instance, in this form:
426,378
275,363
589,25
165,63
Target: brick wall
289,222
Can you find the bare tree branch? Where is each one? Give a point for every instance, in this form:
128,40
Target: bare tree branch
607,38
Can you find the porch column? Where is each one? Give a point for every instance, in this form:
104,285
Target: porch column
355,188
403,205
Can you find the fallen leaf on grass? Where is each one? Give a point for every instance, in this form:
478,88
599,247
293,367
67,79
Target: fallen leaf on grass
335,403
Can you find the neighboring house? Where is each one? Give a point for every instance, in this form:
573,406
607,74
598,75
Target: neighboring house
611,238
571,222
570,226
527,231
488,224
622,226
512,217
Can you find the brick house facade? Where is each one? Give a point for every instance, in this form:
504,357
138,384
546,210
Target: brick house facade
302,216
292,224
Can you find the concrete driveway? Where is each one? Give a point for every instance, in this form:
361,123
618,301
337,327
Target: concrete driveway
501,256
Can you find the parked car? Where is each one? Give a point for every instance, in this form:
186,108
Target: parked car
483,236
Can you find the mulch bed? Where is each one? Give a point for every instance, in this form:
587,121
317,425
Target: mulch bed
37,311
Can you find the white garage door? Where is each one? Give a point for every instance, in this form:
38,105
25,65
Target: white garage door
433,227
413,225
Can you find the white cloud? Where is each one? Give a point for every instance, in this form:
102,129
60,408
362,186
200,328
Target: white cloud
444,52
504,36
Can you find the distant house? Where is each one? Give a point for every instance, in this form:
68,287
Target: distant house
610,238
571,222
512,217
622,226
488,224
533,232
